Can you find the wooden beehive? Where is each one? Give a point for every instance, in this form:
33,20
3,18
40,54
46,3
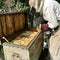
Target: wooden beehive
27,46
11,22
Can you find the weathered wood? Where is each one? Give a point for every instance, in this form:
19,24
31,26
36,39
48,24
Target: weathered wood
16,22
9,23
3,23
31,51
19,21
0,29
22,19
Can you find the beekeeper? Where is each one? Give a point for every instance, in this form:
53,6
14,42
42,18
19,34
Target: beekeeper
50,10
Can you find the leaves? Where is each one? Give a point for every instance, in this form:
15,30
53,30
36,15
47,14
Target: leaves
14,6
1,3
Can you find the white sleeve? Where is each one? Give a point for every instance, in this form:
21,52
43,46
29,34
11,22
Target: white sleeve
51,17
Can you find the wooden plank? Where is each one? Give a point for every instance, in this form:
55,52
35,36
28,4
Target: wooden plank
3,23
9,23
0,29
21,20
16,22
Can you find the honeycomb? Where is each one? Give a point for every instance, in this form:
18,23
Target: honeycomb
25,38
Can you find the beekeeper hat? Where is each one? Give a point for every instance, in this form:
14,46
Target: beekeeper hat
37,4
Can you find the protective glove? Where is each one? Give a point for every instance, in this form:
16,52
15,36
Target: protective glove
44,27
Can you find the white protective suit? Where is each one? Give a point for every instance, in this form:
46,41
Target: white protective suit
51,13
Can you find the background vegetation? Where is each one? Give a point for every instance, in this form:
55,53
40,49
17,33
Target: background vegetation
14,5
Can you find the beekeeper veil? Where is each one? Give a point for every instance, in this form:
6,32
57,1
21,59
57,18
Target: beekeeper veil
37,4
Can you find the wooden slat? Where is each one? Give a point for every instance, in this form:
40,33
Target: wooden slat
0,29
9,23
3,23
16,22
22,20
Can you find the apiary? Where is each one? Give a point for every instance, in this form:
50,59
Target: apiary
26,46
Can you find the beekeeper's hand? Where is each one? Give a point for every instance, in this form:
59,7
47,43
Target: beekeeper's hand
43,27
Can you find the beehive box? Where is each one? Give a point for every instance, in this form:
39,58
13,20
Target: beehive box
11,23
26,46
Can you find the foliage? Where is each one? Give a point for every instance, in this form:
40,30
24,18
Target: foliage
14,5
1,3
